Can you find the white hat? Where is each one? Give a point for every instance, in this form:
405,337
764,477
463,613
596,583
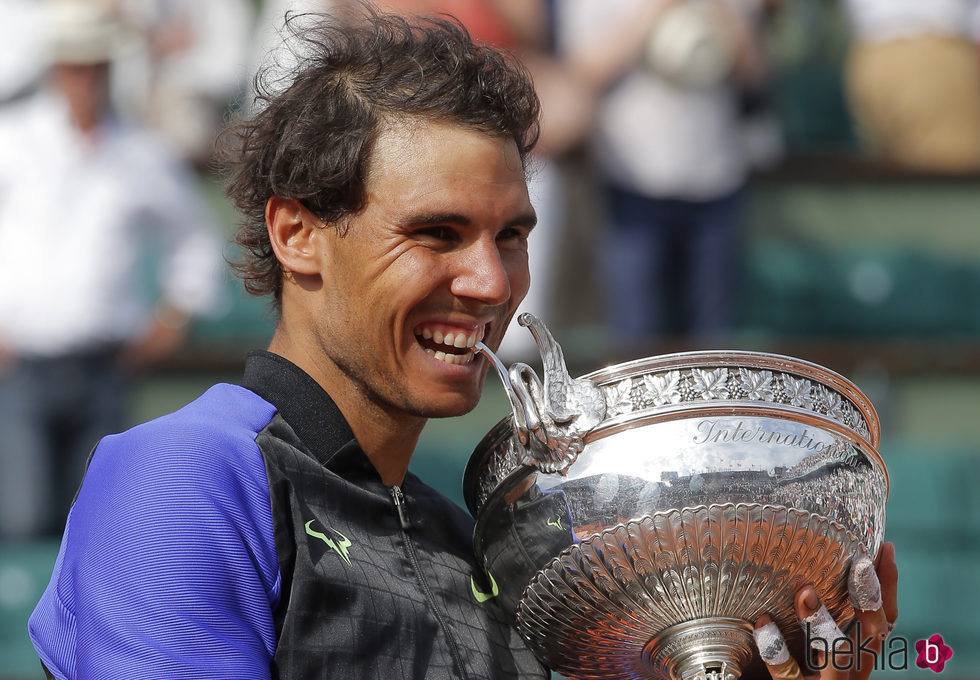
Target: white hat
80,31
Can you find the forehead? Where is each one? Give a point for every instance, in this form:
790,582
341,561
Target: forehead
415,159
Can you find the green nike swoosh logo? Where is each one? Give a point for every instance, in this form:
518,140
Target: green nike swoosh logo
482,597
338,547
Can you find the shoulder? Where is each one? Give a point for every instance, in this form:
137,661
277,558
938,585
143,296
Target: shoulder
225,411
196,470
168,558
193,481
215,434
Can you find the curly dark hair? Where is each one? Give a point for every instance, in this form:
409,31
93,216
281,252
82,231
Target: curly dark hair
312,140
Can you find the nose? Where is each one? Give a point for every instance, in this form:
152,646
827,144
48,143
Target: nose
483,273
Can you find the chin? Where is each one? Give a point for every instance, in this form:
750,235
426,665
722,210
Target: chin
453,411
459,405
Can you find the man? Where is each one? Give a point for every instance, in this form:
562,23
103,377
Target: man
272,529
83,195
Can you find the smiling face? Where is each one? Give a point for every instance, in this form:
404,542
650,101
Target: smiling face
436,261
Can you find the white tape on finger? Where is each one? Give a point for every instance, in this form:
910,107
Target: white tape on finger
772,646
822,630
863,586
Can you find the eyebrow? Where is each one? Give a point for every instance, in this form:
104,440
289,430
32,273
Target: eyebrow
524,220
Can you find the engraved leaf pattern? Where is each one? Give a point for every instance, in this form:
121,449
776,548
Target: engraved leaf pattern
757,384
711,384
797,391
618,397
832,402
662,389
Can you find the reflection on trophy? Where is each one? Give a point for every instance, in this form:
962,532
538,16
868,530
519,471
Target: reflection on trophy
637,520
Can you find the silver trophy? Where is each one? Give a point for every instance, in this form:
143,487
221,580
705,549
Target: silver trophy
637,520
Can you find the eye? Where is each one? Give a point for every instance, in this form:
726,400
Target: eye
516,236
437,234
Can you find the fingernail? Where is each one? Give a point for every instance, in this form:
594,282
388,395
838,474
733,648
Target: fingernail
863,585
811,601
771,645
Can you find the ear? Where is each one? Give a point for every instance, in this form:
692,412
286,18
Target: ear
292,233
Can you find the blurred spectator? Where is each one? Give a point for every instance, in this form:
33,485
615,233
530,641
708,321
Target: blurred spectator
188,66
80,194
670,75
913,80
20,35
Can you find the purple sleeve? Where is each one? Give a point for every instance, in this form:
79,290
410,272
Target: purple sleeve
168,568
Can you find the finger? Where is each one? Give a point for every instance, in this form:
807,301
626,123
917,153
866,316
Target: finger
774,652
831,649
888,576
870,625
865,592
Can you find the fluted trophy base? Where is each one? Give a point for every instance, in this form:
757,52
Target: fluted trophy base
713,648
673,595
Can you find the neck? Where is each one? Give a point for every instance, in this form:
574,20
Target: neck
389,447
387,438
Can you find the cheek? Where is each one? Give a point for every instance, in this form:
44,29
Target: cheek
386,297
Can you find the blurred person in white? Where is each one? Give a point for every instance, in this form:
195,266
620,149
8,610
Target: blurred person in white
188,66
913,82
81,196
670,151
20,35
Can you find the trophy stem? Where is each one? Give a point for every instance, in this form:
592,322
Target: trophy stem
714,648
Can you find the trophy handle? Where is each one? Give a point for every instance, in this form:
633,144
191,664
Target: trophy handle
551,420
520,401
566,398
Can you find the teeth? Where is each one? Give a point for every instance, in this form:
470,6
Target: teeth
458,339
458,359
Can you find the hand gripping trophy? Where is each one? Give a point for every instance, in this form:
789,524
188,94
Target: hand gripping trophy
637,520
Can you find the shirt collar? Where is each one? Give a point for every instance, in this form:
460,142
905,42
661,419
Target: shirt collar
303,404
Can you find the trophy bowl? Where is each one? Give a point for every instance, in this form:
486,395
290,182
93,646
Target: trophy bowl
637,520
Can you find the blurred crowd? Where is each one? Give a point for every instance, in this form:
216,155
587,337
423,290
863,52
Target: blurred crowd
109,112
